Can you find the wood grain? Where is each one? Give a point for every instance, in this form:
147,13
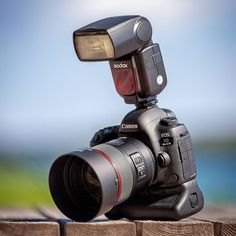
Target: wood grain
212,220
19,222
99,226
25,228
174,228
225,228
223,217
105,228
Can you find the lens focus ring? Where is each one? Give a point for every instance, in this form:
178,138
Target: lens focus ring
122,166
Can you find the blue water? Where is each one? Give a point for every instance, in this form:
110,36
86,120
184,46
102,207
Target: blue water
217,175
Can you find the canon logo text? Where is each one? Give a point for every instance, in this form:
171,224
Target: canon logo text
129,126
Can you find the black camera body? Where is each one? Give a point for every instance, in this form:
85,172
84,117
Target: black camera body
173,193
143,168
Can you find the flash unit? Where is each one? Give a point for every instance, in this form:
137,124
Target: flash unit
136,63
112,37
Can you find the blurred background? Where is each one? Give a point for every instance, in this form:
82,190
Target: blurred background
51,103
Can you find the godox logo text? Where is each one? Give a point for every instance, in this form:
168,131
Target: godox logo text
120,66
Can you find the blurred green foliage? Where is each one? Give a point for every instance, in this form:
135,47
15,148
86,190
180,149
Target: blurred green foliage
20,186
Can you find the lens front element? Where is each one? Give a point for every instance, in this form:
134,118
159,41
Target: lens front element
91,182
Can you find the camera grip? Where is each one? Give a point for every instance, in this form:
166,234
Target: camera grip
105,135
169,204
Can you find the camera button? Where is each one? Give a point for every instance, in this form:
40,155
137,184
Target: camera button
172,179
183,134
170,121
194,200
163,159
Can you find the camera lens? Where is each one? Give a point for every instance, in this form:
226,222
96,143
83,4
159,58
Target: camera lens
82,185
90,182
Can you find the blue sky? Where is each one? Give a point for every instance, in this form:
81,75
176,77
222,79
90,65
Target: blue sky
51,100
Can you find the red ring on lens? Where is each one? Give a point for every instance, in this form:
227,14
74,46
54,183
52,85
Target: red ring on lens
116,170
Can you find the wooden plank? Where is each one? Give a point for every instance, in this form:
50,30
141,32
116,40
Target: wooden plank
227,228
26,222
105,228
173,228
28,228
223,218
121,227
99,226
210,221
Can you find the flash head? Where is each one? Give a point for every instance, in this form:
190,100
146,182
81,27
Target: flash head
112,38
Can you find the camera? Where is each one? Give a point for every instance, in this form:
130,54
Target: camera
143,168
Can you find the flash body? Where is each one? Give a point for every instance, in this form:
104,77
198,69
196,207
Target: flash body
143,168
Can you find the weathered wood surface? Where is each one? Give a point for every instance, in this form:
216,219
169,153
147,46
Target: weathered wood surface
17,222
106,228
100,226
212,220
222,217
173,228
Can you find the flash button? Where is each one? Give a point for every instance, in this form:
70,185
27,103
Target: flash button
159,79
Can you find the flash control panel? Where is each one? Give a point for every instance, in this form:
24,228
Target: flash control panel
139,164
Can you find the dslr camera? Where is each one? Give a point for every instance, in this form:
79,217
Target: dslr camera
143,168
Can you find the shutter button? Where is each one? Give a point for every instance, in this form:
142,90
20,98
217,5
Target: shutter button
170,121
